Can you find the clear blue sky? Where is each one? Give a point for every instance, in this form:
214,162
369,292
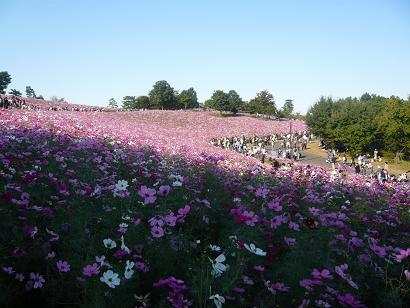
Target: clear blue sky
88,51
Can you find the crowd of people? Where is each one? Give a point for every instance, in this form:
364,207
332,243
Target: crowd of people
25,103
365,164
271,147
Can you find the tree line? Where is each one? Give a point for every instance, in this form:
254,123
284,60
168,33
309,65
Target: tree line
163,96
363,124
5,80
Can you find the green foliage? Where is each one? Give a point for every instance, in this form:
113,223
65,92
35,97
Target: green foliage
287,109
356,125
129,102
15,92
30,92
188,99
395,124
218,101
163,96
112,103
5,80
235,101
222,101
318,116
143,102
262,103
57,99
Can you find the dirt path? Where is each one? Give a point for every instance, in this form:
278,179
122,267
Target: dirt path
315,151
311,156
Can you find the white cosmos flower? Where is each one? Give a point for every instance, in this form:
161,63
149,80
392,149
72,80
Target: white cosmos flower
215,248
217,265
121,185
129,269
257,251
123,247
177,184
218,300
111,279
109,243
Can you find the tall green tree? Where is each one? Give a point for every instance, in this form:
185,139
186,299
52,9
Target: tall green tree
218,101
362,124
235,101
57,99
318,116
15,92
30,92
188,98
129,102
143,102
395,125
287,109
5,80
263,103
112,103
163,96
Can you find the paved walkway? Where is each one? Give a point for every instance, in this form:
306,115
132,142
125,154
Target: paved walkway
308,157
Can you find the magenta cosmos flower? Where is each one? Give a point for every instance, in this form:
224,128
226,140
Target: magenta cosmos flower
63,266
157,232
148,194
38,280
90,270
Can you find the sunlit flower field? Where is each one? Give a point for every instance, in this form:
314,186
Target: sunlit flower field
138,209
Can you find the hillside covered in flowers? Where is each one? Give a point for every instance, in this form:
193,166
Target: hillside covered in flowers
138,209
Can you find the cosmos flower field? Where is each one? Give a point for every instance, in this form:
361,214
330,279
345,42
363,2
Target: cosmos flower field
138,209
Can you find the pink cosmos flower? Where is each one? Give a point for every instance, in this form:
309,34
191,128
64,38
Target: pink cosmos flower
403,254
247,280
9,270
38,280
274,205
18,253
261,192
63,266
325,273
250,218
239,290
308,284
170,220
259,268
142,266
289,241
139,248
90,270
148,194
156,221
340,270
164,190
182,212
294,226
157,232
50,255
347,300
19,277
278,286
407,274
